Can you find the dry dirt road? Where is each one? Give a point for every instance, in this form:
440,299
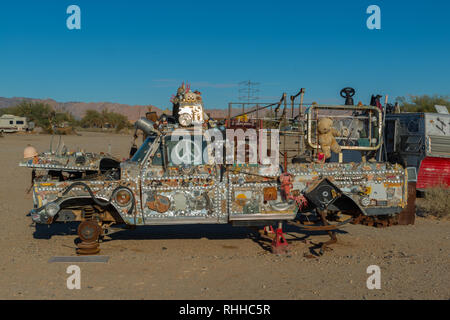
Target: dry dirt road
207,262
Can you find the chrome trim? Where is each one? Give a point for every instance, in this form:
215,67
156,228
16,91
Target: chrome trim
261,216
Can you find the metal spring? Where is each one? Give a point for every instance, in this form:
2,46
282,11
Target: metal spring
88,212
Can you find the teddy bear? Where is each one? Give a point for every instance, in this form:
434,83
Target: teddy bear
327,141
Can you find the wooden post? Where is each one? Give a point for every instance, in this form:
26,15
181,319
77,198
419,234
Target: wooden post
408,214
302,93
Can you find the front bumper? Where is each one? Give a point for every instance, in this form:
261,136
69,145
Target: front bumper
45,214
38,217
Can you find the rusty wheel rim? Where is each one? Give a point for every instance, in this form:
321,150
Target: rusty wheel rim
89,231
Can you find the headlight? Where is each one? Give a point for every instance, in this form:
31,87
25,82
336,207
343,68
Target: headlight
51,209
123,197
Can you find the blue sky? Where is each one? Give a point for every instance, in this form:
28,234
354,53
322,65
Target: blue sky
137,52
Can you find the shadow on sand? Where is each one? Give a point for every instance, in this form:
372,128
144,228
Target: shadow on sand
195,231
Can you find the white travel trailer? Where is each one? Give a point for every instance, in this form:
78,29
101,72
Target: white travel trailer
11,123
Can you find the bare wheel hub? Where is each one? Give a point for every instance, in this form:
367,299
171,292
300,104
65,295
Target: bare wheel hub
89,232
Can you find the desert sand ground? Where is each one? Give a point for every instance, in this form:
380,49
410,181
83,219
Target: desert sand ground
207,262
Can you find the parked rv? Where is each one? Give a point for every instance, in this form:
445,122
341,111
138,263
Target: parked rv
10,123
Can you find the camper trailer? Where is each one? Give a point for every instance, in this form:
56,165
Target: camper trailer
420,140
10,123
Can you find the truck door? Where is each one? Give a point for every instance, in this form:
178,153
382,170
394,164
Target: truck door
178,186
253,189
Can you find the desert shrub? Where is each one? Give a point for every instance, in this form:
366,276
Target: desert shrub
424,103
104,119
436,202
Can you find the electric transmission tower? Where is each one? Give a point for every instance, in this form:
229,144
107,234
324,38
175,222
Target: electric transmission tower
248,91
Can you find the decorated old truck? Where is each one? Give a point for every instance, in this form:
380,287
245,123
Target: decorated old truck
181,175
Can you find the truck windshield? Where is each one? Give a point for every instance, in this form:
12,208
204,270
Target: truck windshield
140,154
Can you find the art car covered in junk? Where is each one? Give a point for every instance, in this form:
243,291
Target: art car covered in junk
177,177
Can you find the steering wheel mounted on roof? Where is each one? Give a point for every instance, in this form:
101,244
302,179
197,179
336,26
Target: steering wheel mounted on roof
348,93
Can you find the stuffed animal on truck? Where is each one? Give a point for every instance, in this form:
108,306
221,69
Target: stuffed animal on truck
327,140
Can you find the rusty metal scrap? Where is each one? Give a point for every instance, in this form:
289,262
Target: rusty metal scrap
270,193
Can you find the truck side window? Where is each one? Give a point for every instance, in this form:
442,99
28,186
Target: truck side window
157,157
142,151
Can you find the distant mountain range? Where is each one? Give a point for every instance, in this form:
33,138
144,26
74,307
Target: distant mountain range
78,109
